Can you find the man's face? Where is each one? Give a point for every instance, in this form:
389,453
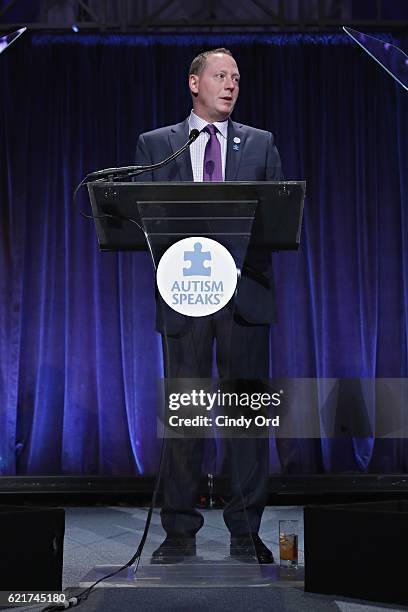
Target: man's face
216,90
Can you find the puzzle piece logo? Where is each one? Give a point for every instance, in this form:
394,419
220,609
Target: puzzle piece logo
196,276
197,259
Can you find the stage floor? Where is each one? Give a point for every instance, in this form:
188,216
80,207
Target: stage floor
109,536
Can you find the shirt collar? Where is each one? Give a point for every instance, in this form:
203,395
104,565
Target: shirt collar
196,123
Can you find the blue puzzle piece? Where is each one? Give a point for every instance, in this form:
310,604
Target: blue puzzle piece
197,259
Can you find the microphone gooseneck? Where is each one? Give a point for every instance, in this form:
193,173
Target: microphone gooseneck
110,174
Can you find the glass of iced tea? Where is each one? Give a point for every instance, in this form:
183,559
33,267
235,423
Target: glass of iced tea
288,543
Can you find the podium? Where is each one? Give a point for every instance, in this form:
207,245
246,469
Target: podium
176,208
248,220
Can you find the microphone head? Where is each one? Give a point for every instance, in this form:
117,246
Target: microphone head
193,135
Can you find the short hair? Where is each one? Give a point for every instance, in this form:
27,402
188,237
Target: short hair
198,63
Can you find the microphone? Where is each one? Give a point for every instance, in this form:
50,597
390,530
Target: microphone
114,173
194,134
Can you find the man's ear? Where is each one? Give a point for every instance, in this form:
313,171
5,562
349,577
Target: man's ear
193,84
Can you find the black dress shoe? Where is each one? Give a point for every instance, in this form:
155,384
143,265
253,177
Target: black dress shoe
174,549
246,548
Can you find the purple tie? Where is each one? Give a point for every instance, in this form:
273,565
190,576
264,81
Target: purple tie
212,170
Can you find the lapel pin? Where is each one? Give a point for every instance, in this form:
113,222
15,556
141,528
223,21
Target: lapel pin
237,141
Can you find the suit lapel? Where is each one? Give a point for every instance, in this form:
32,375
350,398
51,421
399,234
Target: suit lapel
178,136
234,155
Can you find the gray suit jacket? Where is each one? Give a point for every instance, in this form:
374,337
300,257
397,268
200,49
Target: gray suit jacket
256,160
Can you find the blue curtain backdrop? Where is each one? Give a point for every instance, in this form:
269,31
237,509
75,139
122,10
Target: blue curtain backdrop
79,357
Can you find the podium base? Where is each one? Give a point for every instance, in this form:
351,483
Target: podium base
198,573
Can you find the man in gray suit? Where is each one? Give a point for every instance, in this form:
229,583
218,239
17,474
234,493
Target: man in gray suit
224,150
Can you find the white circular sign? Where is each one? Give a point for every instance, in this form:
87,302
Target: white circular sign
197,276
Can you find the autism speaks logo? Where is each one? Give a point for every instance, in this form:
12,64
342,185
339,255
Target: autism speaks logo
197,276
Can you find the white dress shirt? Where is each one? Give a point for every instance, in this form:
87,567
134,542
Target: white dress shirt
197,148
